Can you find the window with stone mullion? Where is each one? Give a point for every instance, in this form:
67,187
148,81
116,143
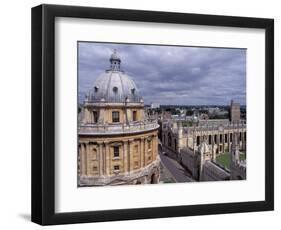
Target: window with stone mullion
115,116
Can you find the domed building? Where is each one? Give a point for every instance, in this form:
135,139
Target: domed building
118,143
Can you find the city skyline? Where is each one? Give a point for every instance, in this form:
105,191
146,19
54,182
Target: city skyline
176,75
122,142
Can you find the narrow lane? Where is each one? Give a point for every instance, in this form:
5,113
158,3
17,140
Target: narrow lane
177,171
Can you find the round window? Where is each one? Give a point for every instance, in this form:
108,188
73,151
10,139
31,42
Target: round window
115,89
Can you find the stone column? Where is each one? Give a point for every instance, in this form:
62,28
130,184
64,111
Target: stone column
243,141
142,152
91,116
107,158
125,155
241,131
152,147
100,157
155,147
214,147
214,156
88,115
131,153
82,159
101,116
145,152
223,142
87,159
212,142
103,159
86,119
79,160
228,140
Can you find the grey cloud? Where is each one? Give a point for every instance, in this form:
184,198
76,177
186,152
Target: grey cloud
170,74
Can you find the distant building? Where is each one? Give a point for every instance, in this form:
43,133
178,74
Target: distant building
234,111
197,146
237,167
165,115
154,105
213,110
219,134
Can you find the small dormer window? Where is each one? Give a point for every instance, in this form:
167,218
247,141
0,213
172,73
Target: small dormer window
96,89
115,89
133,90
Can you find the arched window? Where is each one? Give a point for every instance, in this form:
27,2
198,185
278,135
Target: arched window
116,151
216,137
169,140
198,140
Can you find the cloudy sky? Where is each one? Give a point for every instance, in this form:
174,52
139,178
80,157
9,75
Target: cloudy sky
170,74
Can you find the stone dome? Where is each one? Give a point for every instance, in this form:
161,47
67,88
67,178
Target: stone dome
114,85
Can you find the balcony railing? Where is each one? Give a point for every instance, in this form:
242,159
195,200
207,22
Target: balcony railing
114,99
107,129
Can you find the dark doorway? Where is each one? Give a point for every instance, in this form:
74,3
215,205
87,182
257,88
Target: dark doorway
154,179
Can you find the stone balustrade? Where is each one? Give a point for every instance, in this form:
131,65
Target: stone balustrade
119,128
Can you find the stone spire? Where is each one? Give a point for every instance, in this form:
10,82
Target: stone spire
204,155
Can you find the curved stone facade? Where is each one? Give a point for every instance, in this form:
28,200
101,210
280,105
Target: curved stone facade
128,159
118,143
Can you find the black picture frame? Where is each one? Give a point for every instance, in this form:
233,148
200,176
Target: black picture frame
43,114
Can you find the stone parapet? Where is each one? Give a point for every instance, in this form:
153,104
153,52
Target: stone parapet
109,129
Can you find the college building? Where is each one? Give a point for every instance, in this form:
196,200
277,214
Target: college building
118,143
